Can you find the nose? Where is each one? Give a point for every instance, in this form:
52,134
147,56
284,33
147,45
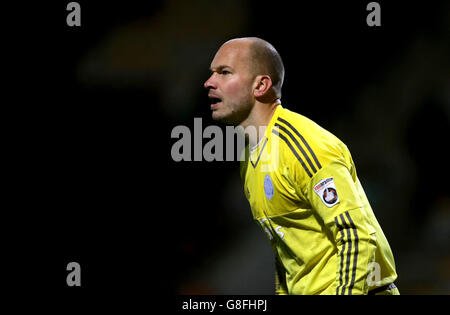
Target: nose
210,84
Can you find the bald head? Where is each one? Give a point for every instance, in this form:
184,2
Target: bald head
246,79
263,60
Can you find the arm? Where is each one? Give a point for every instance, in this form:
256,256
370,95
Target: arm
334,195
355,250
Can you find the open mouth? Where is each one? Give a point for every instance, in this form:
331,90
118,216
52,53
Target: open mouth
215,100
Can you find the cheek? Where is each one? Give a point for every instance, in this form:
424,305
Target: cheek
237,89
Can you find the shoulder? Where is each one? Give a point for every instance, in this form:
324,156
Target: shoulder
309,145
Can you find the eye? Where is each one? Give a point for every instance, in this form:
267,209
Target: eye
225,72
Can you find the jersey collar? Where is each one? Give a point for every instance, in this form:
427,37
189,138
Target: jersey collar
256,151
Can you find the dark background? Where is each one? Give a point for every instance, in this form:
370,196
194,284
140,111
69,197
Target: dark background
93,108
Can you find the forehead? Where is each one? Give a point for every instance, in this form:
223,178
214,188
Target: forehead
233,54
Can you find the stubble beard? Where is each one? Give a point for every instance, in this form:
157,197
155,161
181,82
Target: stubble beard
234,114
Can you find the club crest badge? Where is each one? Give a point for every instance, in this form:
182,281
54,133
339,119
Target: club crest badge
326,190
268,187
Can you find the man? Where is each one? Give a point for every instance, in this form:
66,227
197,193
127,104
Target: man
301,182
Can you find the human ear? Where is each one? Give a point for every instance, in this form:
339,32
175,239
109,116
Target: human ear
262,85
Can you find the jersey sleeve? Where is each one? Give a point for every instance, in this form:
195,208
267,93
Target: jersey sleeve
333,194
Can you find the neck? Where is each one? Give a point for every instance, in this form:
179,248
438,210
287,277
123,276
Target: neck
258,120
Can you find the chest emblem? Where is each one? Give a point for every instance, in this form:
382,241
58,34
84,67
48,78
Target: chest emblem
268,187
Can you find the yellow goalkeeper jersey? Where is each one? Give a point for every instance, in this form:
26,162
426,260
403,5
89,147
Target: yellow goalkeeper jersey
301,183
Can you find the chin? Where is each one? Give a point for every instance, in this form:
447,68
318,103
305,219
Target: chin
216,115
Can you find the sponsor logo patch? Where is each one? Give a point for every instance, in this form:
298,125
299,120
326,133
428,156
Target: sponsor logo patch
326,190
